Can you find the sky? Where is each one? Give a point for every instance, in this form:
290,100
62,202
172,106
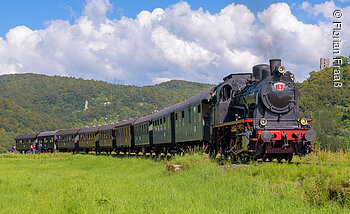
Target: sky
148,42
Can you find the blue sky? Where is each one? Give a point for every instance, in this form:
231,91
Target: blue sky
35,13
132,42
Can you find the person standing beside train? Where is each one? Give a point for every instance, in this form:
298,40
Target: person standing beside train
39,148
33,148
54,147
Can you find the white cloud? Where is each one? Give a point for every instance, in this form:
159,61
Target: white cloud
326,8
172,43
96,10
158,80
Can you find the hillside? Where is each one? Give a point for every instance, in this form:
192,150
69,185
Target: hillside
329,106
34,103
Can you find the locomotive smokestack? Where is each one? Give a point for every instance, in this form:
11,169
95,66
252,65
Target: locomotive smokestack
274,64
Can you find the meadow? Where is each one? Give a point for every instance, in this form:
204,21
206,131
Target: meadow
66,183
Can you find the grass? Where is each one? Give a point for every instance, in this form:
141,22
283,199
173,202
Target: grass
63,183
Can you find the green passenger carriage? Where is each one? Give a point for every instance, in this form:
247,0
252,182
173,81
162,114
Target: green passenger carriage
191,119
124,136
88,138
47,140
143,128
107,138
24,142
67,140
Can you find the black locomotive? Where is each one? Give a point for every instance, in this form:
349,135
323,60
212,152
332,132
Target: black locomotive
248,116
262,118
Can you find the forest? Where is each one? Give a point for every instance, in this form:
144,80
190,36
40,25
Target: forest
328,106
35,103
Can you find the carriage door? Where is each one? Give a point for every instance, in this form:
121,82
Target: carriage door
150,133
172,127
206,121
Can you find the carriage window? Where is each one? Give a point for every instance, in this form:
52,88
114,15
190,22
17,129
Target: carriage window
175,116
199,109
183,114
189,115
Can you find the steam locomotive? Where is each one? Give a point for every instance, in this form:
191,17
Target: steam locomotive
260,115
247,116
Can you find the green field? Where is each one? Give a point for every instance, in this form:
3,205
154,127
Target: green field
64,183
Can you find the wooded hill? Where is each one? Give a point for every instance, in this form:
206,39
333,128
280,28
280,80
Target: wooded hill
329,106
34,103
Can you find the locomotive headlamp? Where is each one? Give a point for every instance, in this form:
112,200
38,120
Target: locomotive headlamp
303,121
281,69
263,122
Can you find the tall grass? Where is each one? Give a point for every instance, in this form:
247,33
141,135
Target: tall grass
62,183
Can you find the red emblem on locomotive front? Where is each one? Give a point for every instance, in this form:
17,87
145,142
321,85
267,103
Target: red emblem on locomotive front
279,86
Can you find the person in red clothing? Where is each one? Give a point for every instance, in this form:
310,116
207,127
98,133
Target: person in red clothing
33,148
